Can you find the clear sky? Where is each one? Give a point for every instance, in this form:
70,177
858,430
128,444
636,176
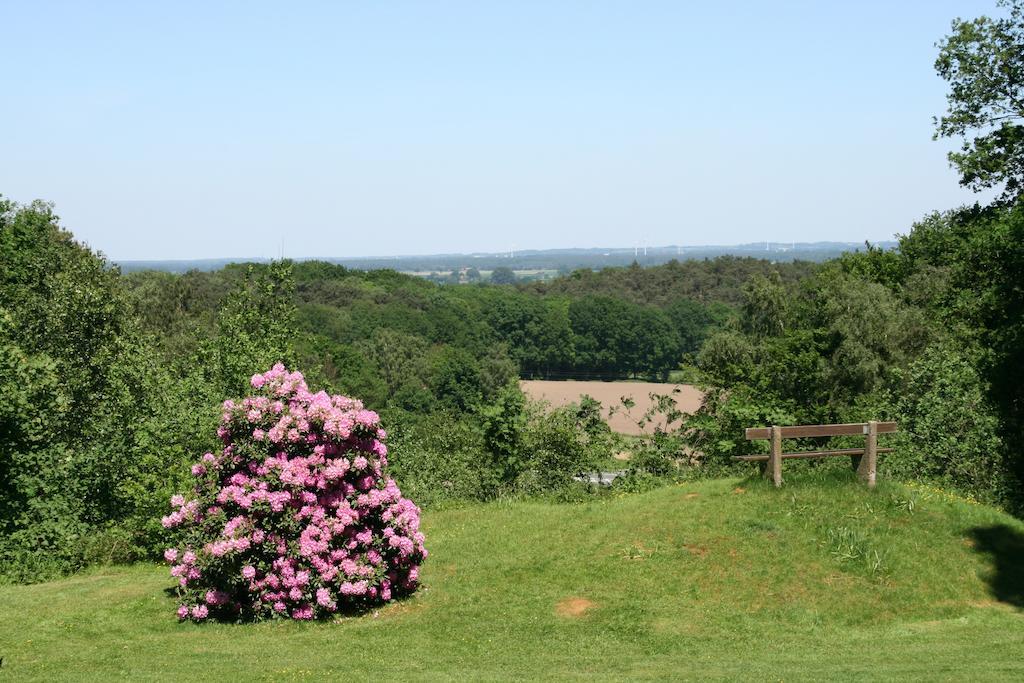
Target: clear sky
192,130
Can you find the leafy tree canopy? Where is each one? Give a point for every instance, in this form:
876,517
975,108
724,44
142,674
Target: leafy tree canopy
503,275
983,62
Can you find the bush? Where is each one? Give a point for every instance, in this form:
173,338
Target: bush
716,431
294,517
439,458
949,428
504,422
554,448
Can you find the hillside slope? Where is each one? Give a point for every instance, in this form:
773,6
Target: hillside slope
722,580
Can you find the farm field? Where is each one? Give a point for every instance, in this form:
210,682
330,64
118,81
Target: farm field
560,393
717,580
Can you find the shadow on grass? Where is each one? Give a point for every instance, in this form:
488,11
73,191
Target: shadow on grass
1005,547
348,611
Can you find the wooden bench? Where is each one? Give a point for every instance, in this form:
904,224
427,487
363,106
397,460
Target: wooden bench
865,460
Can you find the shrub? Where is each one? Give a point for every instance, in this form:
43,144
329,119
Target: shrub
949,427
504,422
555,448
716,431
294,516
439,458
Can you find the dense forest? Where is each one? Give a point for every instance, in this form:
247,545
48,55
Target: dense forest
386,336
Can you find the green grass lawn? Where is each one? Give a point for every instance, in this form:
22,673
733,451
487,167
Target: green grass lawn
724,579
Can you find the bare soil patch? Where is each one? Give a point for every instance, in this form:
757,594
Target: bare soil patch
574,607
610,394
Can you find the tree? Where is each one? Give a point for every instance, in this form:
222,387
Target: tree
983,62
400,359
764,311
256,326
694,321
503,275
79,394
455,379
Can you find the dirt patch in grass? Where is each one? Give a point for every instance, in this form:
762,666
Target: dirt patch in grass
623,455
691,496
698,550
559,393
574,607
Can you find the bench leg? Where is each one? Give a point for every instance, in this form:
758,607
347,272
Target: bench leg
773,468
868,465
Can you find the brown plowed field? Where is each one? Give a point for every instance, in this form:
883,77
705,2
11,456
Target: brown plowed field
559,393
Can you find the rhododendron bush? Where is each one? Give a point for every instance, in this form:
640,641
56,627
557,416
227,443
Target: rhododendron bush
294,517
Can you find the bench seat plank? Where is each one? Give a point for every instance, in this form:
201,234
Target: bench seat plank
809,454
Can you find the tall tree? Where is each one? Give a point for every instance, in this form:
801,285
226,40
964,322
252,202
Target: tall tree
983,62
503,275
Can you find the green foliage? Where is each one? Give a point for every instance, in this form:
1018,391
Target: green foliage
930,336
504,424
588,416
614,338
523,330
456,379
437,458
765,302
503,275
534,449
974,259
255,329
868,329
77,422
949,427
398,360
983,62
727,356
707,282
555,448
716,431
694,321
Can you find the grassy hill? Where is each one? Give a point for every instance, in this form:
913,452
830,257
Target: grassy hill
723,580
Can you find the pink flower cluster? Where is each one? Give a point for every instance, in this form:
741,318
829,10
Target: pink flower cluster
294,517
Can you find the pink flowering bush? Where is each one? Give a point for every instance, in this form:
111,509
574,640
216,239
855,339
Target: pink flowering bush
294,517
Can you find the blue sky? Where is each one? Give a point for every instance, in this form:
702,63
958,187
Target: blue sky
191,130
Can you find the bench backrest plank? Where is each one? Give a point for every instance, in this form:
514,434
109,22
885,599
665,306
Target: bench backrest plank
802,431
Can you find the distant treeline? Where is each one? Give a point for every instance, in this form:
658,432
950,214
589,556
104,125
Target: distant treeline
561,261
